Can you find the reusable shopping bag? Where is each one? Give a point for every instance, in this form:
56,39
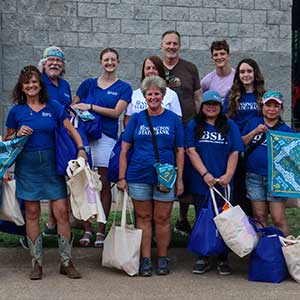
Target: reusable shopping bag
267,263
291,253
85,187
121,249
10,209
205,239
234,226
66,148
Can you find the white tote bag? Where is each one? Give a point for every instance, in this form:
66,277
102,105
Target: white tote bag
84,186
10,209
234,227
121,249
291,253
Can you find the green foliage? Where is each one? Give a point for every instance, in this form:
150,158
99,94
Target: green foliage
178,240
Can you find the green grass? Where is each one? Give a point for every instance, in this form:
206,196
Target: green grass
8,240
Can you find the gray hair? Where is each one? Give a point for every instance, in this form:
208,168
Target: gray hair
153,81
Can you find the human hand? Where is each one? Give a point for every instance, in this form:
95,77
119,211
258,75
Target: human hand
24,131
260,129
209,180
122,185
82,106
224,180
179,187
82,153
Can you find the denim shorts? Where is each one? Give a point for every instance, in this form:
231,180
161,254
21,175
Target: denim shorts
145,191
257,189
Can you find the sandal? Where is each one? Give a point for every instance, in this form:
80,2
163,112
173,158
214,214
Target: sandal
99,240
85,241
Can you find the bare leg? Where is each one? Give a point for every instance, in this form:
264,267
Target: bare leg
51,218
143,210
61,213
32,215
277,212
162,214
260,211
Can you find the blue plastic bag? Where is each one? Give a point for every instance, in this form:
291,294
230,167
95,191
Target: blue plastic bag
267,263
113,166
205,240
66,148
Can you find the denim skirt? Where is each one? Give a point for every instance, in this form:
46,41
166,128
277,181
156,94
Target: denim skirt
36,177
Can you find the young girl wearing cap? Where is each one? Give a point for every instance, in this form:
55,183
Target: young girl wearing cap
213,143
257,161
109,97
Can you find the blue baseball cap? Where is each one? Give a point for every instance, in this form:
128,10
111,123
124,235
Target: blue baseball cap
272,95
211,96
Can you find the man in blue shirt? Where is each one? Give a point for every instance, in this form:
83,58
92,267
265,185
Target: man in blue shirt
52,67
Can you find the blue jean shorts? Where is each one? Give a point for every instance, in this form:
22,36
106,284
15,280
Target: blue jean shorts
145,191
257,189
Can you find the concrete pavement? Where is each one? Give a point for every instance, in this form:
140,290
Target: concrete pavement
104,283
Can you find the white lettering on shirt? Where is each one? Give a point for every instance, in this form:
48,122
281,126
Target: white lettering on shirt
212,137
112,93
248,106
45,114
158,130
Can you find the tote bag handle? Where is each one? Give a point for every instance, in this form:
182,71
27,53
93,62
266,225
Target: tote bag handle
213,190
123,196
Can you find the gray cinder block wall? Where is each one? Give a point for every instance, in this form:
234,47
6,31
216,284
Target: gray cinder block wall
260,29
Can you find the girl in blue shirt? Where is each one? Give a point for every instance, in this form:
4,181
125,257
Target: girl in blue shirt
107,96
257,162
35,170
213,143
139,176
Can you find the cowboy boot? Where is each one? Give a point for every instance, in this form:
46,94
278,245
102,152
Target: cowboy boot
66,267
36,251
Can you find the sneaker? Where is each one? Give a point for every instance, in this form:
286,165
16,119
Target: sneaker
24,242
183,227
162,265
48,231
146,267
224,268
201,266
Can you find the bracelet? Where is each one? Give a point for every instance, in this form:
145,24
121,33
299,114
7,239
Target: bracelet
81,148
205,174
122,178
91,108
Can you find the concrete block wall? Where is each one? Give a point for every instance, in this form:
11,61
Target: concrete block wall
260,29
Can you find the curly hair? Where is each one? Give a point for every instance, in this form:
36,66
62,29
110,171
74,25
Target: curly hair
221,124
237,90
18,96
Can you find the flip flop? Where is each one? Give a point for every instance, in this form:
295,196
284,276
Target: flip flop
85,241
99,240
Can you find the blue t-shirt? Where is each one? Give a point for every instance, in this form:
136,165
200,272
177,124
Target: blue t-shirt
90,92
43,123
247,109
257,160
60,93
213,150
169,135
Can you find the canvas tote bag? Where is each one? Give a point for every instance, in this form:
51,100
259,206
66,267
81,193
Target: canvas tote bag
84,186
234,226
121,249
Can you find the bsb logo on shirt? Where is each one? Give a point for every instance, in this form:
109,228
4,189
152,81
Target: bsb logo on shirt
159,130
45,114
212,137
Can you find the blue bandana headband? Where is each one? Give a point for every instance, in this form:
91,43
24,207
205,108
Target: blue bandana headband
55,52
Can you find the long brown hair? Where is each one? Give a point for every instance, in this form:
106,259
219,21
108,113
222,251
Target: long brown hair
158,65
18,96
237,90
